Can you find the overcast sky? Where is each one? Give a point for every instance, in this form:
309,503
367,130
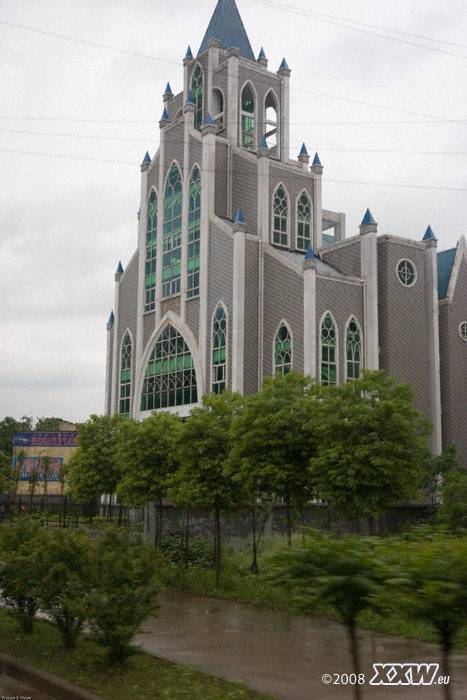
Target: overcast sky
76,120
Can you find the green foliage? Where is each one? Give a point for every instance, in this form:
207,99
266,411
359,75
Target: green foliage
146,457
9,426
21,569
6,472
273,440
124,593
200,550
66,581
453,508
93,466
47,425
371,444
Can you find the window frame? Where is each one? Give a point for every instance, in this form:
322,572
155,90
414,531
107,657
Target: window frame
361,363
128,384
307,241
286,218
225,364
414,269
283,324
248,115
336,346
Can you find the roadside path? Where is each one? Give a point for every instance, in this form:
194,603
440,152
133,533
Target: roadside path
282,654
10,688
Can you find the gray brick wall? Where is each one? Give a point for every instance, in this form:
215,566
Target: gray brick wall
222,179
346,259
251,317
245,189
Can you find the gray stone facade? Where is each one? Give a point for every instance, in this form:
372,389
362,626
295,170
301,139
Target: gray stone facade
248,260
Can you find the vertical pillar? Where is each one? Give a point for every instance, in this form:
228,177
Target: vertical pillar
142,228
284,72
115,353
238,315
233,115
317,172
263,233
369,273
432,329
309,314
160,218
207,209
189,116
108,365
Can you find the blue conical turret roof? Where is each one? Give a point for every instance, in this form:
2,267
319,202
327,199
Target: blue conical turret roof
429,235
226,25
239,218
368,218
309,253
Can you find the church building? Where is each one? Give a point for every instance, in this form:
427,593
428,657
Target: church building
240,272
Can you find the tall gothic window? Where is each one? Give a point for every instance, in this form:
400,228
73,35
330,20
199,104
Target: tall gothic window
125,376
280,233
353,350
248,117
219,350
194,218
170,378
328,351
270,121
151,254
218,108
303,221
197,92
283,351
172,253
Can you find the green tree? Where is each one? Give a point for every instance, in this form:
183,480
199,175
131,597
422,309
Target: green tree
9,426
204,445
66,581
146,456
21,569
6,473
93,466
371,443
273,441
47,425
33,480
21,458
430,584
453,508
342,573
46,466
435,468
124,592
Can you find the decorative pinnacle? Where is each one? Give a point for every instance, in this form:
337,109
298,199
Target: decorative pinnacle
165,116
190,99
368,218
304,152
168,90
310,254
316,160
284,65
261,54
146,159
429,235
239,218
111,317
209,120
263,142
119,268
188,52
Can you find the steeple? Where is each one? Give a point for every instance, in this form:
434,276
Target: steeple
226,25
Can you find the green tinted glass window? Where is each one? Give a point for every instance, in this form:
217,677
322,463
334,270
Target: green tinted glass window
170,378
303,222
172,238
248,117
151,254
353,350
283,351
219,350
197,92
125,376
280,217
194,219
328,351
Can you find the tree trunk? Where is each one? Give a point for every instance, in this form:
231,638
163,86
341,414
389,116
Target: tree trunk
447,669
352,632
217,545
254,563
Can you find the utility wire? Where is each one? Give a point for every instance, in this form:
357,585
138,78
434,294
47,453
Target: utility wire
322,18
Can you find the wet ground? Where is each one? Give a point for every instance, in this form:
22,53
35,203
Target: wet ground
285,655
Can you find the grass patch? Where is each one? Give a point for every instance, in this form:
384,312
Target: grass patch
144,676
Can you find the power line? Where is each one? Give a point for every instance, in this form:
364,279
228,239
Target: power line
347,25
88,43
348,182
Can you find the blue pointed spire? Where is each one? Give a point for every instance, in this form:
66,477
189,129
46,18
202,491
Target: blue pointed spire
263,142
226,25
261,54
190,99
368,218
168,90
316,160
188,52
239,218
429,235
309,253
146,159
111,317
304,152
165,115
284,65
119,268
208,120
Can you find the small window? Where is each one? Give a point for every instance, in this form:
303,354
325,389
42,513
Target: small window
125,377
280,234
197,92
219,350
353,350
248,117
270,121
283,351
303,222
463,330
328,351
406,273
151,255
218,108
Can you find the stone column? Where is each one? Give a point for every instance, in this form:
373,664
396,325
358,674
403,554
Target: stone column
432,341
238,311
369,273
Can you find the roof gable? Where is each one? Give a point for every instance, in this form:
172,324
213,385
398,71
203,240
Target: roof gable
445,264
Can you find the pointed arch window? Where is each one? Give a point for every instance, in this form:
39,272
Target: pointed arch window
170,378
218,108
303,221
197,92
151,254
328,351
172,251
270,120
125,376
248,117
353,349
219,350
194,219
280,234
283,351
